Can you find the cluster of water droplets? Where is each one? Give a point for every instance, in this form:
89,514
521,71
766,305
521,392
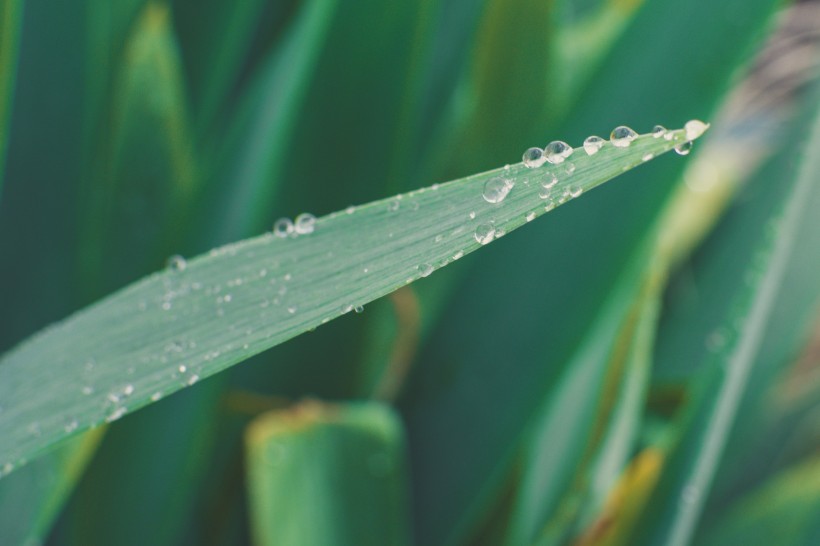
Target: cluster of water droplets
303,224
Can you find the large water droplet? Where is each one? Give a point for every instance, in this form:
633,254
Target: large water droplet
658,131
694,128
534,157
593,144
622,136
283,227
425,269
496,189
305,223
484,233
684,148
557,151
176,263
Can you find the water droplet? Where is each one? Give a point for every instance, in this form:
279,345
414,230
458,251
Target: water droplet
570,168
694,128
622,136
71,425
393,205
484,233
182,368
544,193
549,181
668,135
575,191
156,396
530,216
193,379
557,151
496,189
88,390
7,468
534,157
350,210
472,215
305,223
176,263
116,414
292,310
346,308
128,390
425,269
593,144
647,156
458,255
549,206
283,227
358,309
684,148
658,131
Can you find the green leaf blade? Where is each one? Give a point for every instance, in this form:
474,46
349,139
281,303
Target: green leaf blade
178,326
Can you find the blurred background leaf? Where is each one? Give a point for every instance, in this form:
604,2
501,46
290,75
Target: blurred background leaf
146,128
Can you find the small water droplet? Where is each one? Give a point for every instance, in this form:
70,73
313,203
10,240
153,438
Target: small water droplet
549,206
593,144
7,468
458,255
530,216
346,308
557,151
176,263
658,131
575,191
116,414
549,181
193,379
425,269
393,205
88,390
496,189
694,128
668,135
484,233
472,215
647,156
684,148
544,193
128,390
292,310
71,425
156,396
283,227
350,210
305,223
358,309
182,368
570,168
622,136
534,157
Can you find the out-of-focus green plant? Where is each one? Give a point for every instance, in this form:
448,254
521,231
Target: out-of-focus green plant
635,368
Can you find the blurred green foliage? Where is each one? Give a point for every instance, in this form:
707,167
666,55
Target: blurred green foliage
567,385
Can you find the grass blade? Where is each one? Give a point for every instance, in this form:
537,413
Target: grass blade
175,327
322,474
689,476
